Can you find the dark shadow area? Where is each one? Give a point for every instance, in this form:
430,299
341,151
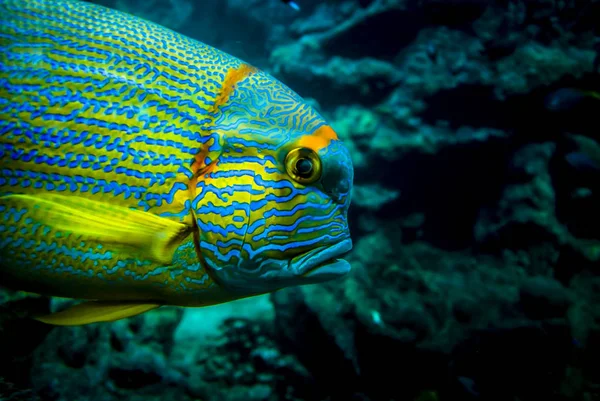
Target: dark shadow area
529,116
469,105
300,332
449,188
385,34
452,185
20,335
391,368
502,363
577,198
453,13
380,36
577,180
575,17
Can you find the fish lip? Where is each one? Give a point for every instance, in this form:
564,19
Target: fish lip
324,261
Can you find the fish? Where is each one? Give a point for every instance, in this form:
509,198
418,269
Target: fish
582,162
565,99
585,153
292,4
140,168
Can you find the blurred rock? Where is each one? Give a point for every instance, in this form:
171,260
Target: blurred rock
19,337
244,363
544,298
372,196
534,65
115,358
509,361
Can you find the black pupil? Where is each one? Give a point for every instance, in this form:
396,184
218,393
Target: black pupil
304,166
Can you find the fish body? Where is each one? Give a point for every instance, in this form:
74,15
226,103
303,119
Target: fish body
582,162
140,167
292,4
585,154
566,99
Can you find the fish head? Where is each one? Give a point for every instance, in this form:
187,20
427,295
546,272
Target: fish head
287,179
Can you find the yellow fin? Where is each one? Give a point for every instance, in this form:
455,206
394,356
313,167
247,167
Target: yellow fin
94,312
155,237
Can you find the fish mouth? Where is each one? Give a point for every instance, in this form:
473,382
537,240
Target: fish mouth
324,263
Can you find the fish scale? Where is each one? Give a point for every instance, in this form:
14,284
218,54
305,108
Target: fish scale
113,111
156,129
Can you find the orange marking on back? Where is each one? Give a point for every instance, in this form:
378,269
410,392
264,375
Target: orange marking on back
325,131
319,139
233,76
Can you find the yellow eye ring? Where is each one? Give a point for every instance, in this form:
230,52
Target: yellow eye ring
303,165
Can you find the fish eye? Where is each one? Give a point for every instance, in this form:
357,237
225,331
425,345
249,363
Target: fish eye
303,165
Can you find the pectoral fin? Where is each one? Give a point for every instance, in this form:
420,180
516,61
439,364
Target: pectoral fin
94,312
153,236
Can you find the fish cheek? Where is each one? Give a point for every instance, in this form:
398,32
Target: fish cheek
277,219
222,214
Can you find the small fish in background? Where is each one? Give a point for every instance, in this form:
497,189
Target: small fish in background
583,156
469,385
566,99
292,4
582,162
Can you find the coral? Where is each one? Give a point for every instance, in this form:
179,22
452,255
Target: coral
533,65
247,365
372,196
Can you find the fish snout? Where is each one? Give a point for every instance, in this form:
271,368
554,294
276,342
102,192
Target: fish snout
338,172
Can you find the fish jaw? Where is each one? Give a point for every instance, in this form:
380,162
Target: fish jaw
315,266
323,264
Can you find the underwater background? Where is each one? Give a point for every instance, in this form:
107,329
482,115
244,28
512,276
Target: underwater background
473,128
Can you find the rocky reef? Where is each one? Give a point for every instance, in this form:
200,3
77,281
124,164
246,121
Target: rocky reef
477,237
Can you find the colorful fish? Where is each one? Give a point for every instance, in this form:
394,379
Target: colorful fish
140,168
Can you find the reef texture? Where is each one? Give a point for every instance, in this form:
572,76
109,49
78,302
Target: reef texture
476,261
